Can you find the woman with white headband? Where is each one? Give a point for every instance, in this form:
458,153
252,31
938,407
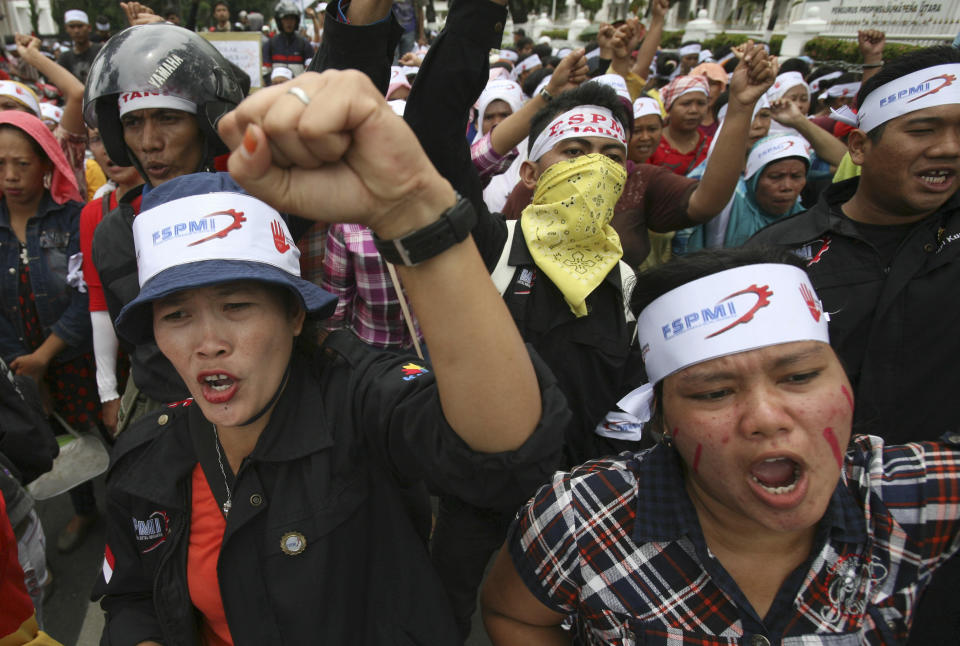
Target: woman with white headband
284,502
756,519
775,174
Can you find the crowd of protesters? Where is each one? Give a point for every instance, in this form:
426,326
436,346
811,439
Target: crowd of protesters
671,328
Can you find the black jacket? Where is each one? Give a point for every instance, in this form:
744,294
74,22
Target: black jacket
591,356
894,327
353,429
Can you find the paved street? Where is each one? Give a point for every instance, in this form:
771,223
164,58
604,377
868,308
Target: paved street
74,573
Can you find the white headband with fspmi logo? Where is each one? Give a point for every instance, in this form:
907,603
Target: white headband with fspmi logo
926,88
145,99
692,48
729,312
215,226
840,90
769,150
75,15
582,121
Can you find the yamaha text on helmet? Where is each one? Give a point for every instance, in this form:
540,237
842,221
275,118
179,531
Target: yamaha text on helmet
166,59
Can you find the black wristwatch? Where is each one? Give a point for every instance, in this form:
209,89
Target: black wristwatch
453,226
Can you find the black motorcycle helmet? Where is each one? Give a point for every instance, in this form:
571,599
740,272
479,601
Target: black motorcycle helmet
159,57
286,9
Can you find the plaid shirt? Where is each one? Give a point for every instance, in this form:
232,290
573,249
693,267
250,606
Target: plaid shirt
488,161
354,272
312,245
618,544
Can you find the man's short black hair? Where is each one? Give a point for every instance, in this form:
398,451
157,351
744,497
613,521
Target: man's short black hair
543,50
587,94
903,65
220,2
533,80
795,65
523,42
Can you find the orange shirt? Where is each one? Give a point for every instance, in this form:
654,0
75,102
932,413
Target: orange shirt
207,526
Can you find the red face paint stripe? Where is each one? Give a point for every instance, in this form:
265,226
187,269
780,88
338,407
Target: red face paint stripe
696,458
846,393
834,445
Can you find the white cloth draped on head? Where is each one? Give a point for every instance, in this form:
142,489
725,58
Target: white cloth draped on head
766,151
499,90
281,73
619,86
784,83
645,106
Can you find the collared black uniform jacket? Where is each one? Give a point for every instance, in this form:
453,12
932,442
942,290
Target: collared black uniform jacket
897,327
350,431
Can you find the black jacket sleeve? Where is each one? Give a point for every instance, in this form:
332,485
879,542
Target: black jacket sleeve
452,76
394,400
368,48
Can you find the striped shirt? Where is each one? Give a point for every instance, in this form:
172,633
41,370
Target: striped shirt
617,544
488,161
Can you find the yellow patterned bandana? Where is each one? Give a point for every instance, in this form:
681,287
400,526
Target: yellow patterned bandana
567,228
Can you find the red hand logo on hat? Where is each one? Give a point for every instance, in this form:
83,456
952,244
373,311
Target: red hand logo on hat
279,239
812,303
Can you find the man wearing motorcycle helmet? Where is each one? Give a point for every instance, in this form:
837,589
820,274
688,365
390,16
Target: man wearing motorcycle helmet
287,48
156,93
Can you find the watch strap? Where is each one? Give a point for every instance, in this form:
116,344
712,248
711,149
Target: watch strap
454,225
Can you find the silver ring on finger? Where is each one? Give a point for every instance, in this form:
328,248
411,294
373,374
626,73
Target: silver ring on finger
300,94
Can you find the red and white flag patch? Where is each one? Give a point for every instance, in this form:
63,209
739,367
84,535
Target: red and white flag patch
108,564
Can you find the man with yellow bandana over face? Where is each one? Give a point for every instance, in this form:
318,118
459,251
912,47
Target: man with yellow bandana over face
558,267
567,227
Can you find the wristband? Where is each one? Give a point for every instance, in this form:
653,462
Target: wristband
870,66
453,226
546,96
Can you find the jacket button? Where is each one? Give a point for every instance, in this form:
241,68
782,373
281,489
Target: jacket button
12,270
256,500
929,248
759,640
163,419
497,28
